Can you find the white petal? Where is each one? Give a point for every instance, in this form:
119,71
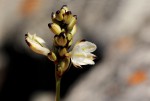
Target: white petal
81,54
29,35
38,39
36,46
79,59
85,46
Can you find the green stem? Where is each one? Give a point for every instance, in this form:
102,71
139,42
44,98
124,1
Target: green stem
58,80
58,89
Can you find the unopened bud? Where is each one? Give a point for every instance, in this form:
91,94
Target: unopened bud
55,28
63,66
52,56
64,9
63,52
72,22
67,17
59,15
53,17
69,36
61,40
74,30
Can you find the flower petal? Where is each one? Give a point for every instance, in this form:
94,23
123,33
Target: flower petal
85,46
34,43
81,54
38,39
79,59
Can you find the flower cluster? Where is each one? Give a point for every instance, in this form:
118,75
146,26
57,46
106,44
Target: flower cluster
64,27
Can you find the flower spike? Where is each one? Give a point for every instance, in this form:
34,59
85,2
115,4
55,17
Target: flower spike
64,27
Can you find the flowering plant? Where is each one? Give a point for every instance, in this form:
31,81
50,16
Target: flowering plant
64,27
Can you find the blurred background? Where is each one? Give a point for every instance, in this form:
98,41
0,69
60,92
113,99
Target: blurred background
119,28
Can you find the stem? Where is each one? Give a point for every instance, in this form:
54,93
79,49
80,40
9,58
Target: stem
58,80
58,89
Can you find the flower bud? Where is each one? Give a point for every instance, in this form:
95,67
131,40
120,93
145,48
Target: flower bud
61,40
62,52
69,36
72,22
63,66
59,15
52,56
55,28
65,63
53,17
74,30
64,9
67,17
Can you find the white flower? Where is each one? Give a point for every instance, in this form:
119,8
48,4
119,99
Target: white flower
81,53
36,44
